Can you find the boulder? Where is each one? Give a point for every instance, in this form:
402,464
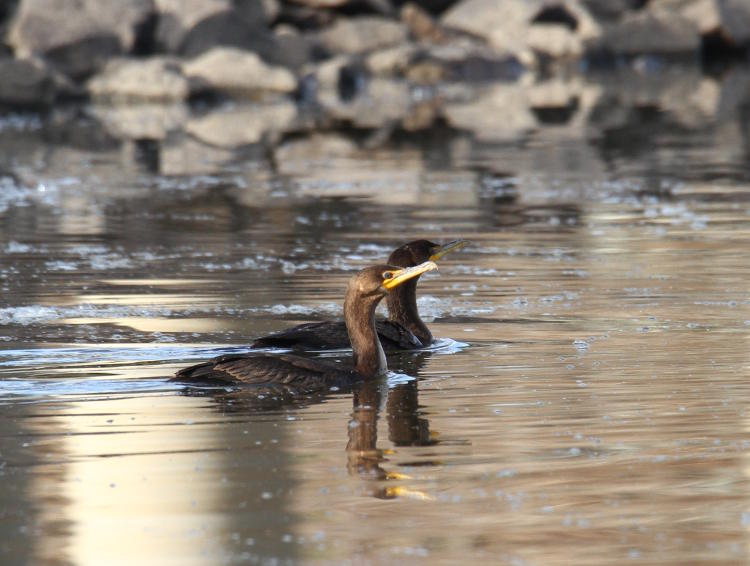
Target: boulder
78,36
230,29
735,20
178,17
496,113
728,19
142,121
652,31
237,73
182,155
465,60
421,24
381,101
296,157
127,80
322,3
295,49
25,83
391,61
243,125
508,25
363,34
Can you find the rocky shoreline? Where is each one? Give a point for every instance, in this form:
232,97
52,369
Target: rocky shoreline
225,74
174,50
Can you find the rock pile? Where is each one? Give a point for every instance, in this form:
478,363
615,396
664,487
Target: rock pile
172,50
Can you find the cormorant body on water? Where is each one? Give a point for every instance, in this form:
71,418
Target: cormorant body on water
402,330
271,372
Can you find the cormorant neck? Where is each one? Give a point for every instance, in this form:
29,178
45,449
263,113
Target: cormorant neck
359,314
402,308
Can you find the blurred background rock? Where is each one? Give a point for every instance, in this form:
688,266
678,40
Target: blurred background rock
209,77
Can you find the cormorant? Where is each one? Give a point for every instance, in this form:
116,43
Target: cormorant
286,373
402,330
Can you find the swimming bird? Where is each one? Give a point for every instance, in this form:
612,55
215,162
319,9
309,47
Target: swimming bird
402,330
274,372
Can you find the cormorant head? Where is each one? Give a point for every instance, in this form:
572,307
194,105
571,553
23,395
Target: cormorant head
379,279
419,251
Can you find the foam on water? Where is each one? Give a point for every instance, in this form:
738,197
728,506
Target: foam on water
11,388
38,357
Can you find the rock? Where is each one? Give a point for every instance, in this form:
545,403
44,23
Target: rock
237,73
25,83
556,42
392,60
704,14
341,77
177,17
502,25
230,29
463,59
184,156
507,26
243,125
497,113
652,31
382,101
728,20
295,49
78,36
322,3
421,24
363,34
126,80
143,121
735,20
295,157
611,10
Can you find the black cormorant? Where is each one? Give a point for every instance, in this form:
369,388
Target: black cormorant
287,373
402,330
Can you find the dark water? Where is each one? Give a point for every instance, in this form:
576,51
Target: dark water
587,402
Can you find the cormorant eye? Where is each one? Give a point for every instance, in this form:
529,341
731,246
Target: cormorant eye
387,275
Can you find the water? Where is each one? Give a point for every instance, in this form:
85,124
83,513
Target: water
587,403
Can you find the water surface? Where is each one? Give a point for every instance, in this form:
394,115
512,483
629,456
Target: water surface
587,403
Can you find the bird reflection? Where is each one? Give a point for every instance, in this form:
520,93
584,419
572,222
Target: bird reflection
407,427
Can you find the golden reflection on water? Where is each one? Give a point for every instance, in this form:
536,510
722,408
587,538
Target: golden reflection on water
597,415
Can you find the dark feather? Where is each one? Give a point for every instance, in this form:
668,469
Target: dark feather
276,372
332,335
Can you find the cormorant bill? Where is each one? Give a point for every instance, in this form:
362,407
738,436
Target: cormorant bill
402,330
287,373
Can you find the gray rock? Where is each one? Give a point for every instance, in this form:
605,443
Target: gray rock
184,156
294,49
463,59
299,156
383,101
127,80
652,31
729,19
231,29
735,20
178,17
25,83
237,73
363,34
243,125
144,121
521,27
391,61
422,25
497,113
322,3
77,36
